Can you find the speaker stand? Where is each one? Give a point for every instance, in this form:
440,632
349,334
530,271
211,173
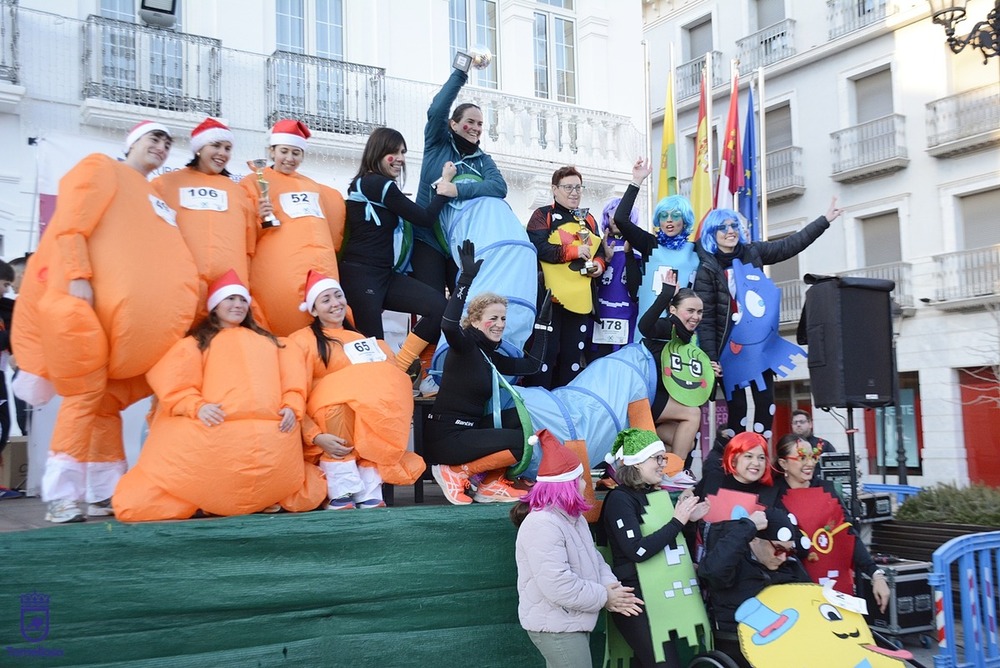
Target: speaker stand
855,504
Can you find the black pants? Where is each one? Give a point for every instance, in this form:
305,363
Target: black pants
458,439
564,354
636,632
432,267
763,400
370,290
4,411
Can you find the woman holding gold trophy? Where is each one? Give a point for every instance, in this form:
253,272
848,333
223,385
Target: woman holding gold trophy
301,228
216,217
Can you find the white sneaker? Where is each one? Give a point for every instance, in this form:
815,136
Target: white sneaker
681,480
63,511
428,386
100,509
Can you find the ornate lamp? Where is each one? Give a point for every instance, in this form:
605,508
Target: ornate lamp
983,36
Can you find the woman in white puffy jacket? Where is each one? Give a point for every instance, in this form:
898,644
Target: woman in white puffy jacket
562,580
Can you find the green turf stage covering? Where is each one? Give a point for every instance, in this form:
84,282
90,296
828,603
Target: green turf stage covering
409,586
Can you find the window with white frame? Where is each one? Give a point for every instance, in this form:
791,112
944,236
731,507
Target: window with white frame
554,47
125,59
880,239
472,25
979,219
315,28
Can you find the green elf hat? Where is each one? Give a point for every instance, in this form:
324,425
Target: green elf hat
634,446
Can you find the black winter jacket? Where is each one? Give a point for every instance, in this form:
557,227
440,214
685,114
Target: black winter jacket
713,288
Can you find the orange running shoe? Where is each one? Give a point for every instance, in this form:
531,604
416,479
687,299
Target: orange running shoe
453,481
498,490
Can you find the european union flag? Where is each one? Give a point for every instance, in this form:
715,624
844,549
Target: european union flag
749,204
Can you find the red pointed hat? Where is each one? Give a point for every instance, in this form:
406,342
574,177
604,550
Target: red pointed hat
316,284
210,130
559,463
290,133
142,128
227,285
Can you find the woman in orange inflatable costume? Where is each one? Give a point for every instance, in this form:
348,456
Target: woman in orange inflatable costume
216,217
226,439
110,289
302,227
357,422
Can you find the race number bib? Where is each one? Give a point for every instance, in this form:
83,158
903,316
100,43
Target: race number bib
204,199
300,205
613,331
364,350
163,210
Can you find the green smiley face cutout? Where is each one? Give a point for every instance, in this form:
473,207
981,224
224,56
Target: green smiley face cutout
686,372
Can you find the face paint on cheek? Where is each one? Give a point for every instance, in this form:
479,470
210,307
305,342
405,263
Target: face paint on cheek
465,128
390,159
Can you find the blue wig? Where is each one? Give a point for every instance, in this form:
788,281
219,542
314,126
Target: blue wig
714,221
609,214
675,203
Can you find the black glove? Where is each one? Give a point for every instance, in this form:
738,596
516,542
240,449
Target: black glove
468,262
544,318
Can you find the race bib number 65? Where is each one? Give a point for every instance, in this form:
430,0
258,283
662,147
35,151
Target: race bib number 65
364,350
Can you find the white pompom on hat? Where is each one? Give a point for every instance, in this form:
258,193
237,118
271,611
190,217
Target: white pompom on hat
227,285
290,133
142,128
316,284
559,463
210,130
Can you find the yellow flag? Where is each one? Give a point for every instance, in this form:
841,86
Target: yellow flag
668,146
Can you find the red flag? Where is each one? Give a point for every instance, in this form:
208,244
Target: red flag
731,170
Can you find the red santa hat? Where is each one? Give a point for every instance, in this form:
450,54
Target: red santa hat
227,285
142,128
559,463
290,133
210,130
316,284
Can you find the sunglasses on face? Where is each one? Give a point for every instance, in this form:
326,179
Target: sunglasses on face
730,226
780,550
566,187
673,215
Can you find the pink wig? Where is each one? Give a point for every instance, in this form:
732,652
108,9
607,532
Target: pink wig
562,495
745,442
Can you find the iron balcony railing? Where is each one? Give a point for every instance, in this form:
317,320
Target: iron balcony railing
151,67
968,274
766,46
328,95
8,41
846,16
963,115
793,297
871,143
784,169
898,272
688,75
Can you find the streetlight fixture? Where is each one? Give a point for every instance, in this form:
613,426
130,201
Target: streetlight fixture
984,36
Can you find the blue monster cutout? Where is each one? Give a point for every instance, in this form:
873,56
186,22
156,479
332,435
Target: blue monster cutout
754,344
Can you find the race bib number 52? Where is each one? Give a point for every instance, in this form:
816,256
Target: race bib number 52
300,205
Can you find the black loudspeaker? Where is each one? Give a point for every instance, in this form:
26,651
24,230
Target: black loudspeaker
847,324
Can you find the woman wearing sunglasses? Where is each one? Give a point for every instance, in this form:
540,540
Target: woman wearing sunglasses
723,241
571,255
823,517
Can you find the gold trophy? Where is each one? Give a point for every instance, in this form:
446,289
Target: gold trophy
580,215
257,166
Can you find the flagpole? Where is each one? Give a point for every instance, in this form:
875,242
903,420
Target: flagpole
709,87
649,124
762,153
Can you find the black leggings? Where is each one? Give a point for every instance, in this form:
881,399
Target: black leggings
635,631
564,353
458,439
369,290
763,403
432,267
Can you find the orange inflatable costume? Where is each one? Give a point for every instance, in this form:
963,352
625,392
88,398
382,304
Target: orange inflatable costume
243,463
114,244
308,235
216,217
360,396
